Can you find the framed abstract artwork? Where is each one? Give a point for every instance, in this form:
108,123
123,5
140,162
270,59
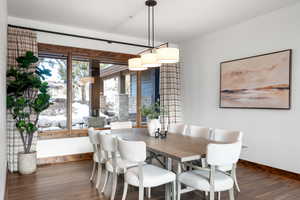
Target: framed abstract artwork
259,82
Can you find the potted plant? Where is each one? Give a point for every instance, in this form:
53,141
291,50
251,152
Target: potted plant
152,113
27,97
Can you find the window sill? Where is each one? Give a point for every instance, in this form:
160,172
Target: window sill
46,135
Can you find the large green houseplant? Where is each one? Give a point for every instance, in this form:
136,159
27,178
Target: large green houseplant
27,97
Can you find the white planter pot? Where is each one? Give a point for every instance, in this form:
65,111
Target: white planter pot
153,125
27,162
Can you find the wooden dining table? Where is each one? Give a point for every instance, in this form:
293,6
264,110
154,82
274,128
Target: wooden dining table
177,147
174,147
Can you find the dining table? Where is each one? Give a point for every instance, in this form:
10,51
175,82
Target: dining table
174,147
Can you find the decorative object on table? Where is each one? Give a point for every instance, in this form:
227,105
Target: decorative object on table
261,81
160,134
152,113
163,134
27,97
157,132
152,125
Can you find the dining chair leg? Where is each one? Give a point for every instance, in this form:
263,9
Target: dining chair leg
168,164
149,193
150,156
174,190
206,194
212,195
141,193
125,190
231,194
105,181
114,186
235,181
93,172
99,173
184,167
178,190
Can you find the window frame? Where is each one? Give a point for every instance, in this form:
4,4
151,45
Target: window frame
103,57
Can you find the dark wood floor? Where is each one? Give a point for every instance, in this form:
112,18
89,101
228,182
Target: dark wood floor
70,181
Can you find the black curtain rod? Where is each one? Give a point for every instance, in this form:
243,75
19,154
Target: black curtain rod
80,36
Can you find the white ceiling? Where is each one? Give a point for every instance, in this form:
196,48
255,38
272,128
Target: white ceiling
176,20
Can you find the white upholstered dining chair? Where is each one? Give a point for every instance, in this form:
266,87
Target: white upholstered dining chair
199,131
144,175
222,135
98,156
121,125
211,179
177,128
228,136
125,125
114,165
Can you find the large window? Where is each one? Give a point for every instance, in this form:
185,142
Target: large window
55,117
87,90
119,94
80,93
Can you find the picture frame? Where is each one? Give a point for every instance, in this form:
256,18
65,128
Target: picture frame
257,82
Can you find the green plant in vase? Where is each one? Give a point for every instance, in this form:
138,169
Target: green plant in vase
27,97
152,113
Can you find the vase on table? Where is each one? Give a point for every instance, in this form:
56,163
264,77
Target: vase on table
153,125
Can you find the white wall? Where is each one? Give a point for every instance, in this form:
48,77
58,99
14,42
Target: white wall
272,135
3,47
59,147
66,146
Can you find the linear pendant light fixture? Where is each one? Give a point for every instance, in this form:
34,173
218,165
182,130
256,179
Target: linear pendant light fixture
153,57
150,58
135,64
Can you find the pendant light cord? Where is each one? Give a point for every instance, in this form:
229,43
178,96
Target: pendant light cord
153,26
151,30
149,43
